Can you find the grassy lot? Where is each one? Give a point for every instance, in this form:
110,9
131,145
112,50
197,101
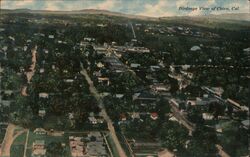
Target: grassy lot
123,144
48,139
17,148
112,146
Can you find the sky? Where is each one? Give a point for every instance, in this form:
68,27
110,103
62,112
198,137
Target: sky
153,8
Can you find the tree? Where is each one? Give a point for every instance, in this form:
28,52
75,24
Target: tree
203,143
195,116
125,82
234,139
163,107
55,149
173,136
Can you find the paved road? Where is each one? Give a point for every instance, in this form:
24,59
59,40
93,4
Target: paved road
104,113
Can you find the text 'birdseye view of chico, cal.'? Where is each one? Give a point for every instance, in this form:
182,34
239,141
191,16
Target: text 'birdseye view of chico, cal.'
124,78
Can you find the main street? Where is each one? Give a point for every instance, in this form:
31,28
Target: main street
103,112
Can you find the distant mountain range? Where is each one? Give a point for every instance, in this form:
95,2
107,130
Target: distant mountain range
231,17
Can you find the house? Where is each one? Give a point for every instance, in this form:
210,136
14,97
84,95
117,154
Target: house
77,146
42,113
202,101
138,50
246,49
195,48
160,87
100,50
207,116
92,120
154,115
135,115
246,124
40,131
38,149
41,70
46,51
144,96
51,36
100,65
104,80
218,128
43,95
135,65
89,39
166,153
154,68
123,117
68,80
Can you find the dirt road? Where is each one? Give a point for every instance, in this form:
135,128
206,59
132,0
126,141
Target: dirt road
30,73
9,137
104,114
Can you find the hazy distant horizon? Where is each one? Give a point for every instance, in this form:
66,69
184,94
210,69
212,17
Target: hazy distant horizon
150,8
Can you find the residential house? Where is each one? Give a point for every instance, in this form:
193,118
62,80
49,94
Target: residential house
138,50
42,113
246,124
135,65
159,87
154,116
43,95
195,48
207,116
89,39
51,36
40,131
135,115
166,153
38,149
104,80
77,146
92,120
